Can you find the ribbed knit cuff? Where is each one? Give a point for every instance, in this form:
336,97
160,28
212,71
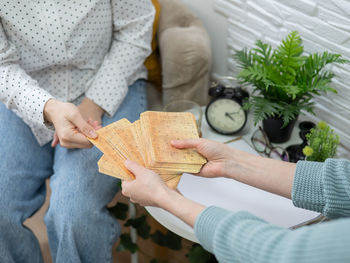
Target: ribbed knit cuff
336,188
307,189
206,224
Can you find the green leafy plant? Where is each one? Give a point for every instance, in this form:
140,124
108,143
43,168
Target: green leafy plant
198,254
143,229
284,78
322,143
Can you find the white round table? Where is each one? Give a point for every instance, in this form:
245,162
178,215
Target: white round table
233,195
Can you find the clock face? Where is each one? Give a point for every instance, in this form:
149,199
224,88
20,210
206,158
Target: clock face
226,116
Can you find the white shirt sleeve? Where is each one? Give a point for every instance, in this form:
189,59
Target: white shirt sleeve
132,34
18,91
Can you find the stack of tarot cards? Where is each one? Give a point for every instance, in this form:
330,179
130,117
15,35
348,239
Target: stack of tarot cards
147,142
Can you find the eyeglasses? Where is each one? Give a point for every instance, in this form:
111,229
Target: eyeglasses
262,144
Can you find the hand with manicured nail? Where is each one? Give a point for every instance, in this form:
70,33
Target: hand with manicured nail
147,189
219,155
94,124
71,128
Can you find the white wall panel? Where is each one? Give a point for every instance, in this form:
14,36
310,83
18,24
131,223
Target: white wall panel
323,25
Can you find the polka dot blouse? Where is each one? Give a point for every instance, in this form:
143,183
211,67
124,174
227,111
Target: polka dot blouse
65,49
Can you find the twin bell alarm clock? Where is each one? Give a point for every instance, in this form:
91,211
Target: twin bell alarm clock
225,113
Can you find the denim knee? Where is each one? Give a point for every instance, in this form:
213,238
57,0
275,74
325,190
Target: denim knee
78,230
10,214
7,219
68,213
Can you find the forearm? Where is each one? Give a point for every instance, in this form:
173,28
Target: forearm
178,205
322,187
18,91
270,175
243,237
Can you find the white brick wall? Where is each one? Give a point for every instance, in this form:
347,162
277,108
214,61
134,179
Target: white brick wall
322,24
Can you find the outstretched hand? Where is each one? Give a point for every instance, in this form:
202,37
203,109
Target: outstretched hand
71,128
218,155
147,189
95,124
89,112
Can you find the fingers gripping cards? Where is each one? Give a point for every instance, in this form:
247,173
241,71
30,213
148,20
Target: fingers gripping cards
147,142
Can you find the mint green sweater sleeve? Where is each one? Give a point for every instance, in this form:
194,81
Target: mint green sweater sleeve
323,187
243,237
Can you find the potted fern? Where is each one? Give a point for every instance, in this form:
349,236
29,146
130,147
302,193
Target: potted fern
285,81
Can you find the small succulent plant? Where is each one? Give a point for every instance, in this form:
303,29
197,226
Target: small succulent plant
322,143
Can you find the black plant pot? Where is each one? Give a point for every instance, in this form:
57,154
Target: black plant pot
275,132
295,151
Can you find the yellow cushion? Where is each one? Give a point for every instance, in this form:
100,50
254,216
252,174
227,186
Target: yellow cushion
152,63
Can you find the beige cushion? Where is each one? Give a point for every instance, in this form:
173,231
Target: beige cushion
185,54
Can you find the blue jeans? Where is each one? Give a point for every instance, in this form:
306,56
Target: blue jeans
80,228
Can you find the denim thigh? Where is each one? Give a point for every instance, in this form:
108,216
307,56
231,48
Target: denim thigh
77,219
24,166
76,171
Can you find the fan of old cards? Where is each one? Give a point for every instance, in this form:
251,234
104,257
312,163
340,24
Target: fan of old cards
147,142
